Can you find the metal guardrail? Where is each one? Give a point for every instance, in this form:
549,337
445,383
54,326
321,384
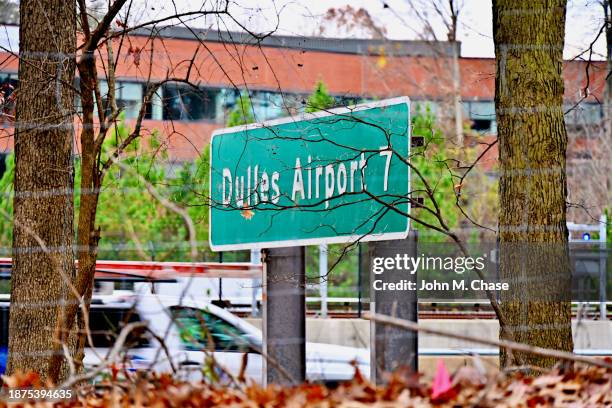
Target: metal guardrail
150,270
495,352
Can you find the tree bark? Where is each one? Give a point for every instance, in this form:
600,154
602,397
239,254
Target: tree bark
529,39
72,326
44,176
87,233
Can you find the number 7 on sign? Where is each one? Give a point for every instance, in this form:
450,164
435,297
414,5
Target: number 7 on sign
385,151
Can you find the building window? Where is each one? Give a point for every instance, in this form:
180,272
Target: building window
154,108
267,105
481,125
183,102
8,84
128,95
583,114
129,98
482,116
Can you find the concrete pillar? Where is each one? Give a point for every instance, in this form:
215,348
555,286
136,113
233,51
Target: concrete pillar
392,347
284,315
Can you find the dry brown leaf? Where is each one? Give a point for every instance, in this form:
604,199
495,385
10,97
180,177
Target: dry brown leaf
247,214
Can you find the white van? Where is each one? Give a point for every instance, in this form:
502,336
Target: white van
190,329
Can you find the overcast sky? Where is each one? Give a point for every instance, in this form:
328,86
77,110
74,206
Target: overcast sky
306,18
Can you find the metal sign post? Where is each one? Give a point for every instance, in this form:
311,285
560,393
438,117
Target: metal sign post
284,316
391,347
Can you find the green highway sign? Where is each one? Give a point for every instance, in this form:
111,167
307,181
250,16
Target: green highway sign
333,176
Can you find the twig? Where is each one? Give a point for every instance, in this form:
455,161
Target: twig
164,347
168,204
70,360
118,346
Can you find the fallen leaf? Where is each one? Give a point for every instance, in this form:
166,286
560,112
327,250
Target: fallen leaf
247,214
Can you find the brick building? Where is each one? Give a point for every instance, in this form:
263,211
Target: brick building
280,71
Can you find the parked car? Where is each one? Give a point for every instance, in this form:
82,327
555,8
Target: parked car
190,330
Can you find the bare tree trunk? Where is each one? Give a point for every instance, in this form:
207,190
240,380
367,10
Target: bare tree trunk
529,39
452,37
44,176
457,96
87,234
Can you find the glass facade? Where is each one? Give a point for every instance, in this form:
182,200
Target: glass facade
128,95
184,102
265,105
177,101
